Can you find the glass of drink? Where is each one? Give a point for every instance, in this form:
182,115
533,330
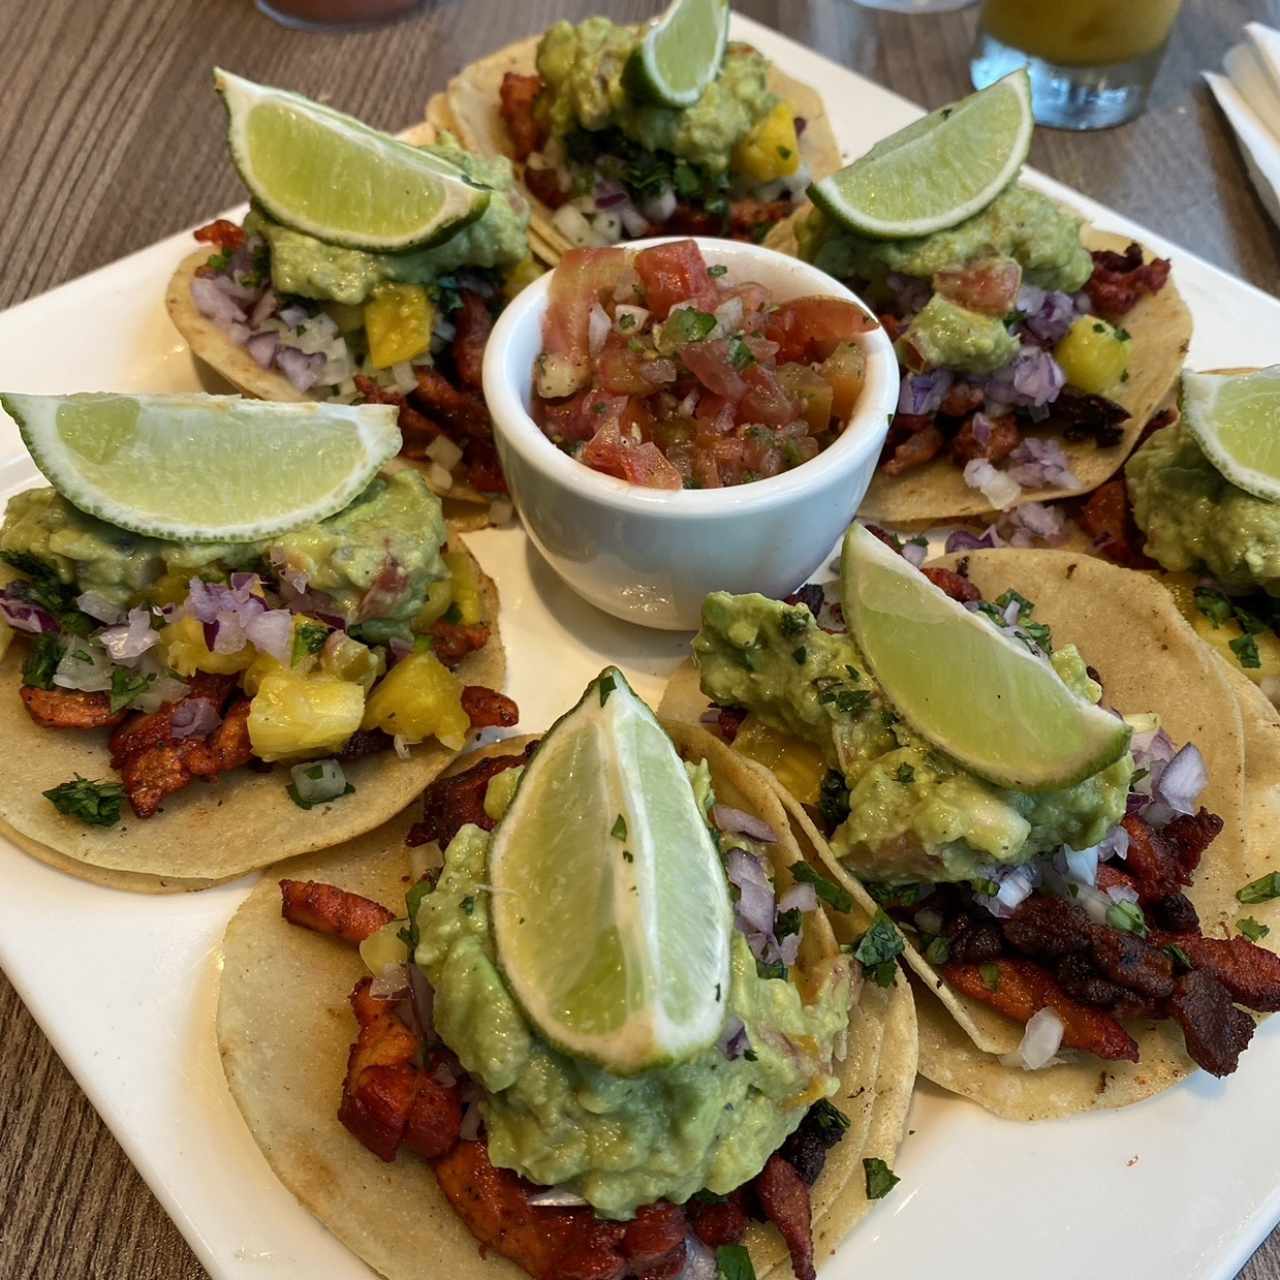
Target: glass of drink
335,15
916,6
1091,61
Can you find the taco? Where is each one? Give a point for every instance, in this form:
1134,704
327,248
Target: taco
1094,964
1212,544
152,685
1034,350
602,165
499,1146
283,315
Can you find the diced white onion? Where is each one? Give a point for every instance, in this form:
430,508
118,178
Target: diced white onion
439,479
629,320
608,226
401,746
424,857
445,452
1082,864
999,489
728,317
556,1198
658,208
1040,1042
574,227
403,376
318,780
500,511
598,326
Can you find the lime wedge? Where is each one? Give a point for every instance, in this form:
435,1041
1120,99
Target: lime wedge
611,912
681,53
196,468
327,174
975,693
1235,418
938,171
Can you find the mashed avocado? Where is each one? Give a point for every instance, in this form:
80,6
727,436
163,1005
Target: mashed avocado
1196,519
309,268
914,814
584,68
944,335
1019,223
620,1143
390,536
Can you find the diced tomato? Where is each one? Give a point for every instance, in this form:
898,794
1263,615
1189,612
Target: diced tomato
609,451
761,454
990,285
755,298
711,364
765,400
846,370
717,412
706,472
581,417
671,273
809,329
621,371
810,391
581,280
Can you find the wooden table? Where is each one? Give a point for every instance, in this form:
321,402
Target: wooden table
110,138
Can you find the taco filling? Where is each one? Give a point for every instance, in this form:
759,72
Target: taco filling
552,1160
313,648
1064,910
615,166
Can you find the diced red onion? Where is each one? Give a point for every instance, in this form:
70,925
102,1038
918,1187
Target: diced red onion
699,1262
99,608
194,718
1013,886
1182,780
1040,1041
1032,379
1116,845
800,897
1038,462
729,316
788,949
915,553
22,615
556,1198
262,347
964,540
923,393
1082,864
302,370
272,632
245,295
391,984
1122,893
710,716
1011,612
213,303
444,1075
734,1040
422,998
630,320
755,906
164,690
263,308
609,195
126,643
737,822
689,403
1048,314
1034,521
469,1130
294,316
982,427
999,489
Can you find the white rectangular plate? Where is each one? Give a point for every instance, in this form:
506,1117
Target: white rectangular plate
125,986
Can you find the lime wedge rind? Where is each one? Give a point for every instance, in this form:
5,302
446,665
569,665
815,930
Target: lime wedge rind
938,171
365,191
681,53
1235,419
976,694
610,912
208,469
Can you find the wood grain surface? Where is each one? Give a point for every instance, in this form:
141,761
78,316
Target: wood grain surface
110,138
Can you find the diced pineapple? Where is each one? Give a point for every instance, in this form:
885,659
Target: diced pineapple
466,586
1094,355
6,637
385,947
436,605
186,652
771,149
170,589
350,660
523,273
419,698
347,316
398,320
797,764
293,716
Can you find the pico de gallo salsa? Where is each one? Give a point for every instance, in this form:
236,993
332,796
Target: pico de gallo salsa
655,368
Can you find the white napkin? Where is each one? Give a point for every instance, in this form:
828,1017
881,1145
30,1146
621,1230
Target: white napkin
1249,95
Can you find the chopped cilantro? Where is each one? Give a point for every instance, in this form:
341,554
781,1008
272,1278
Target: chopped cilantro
1040,633
795,621
938,951
634,344
685,326
800,656
987,888
218,262
94,803
785,152
854,674
785,923
1025,607
628,856
1127,917
1213,604
899,895
619,829
776,969
412,901
878,950
1124,335
905,774
43,656
1099,327
1181,961
1246,650
827,1119
852,702
827,890
126,686
833,798
717,271
626,321
880,1178
607,685
740,355
1261,890
733,1262
1252,930
308,638
468,904
990,974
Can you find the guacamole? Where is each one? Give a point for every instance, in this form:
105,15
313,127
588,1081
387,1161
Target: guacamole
914,814
1019,223
1196,519
395,524
944,335
309,268
620,1143
584,70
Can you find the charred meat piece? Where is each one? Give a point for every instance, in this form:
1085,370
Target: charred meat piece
1174,914
366,742
953,584
449,804
1107,517
1250,973
387,1099
1077,978
962,399
155,728
452,641
1157,422
784,1198
811,595
1216,1032
1131,963
1189,835
417,429
1048,928
485,708
729,721
462,412
974,939
69,708
1019,988
1152,862
481,466
916,449
1119,280
719,1222
544,185
473,323
516,96
549,1244
1110,876
752,219
655,1237
999,439
692,220
806,1149
324,908
1090,417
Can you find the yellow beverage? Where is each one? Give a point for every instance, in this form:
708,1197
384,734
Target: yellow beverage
1081,33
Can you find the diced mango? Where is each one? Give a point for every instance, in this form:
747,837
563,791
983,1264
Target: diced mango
293,716
186,652
771,149
419,698
846,370
797,764
1094,355
398,320
523,273
466,586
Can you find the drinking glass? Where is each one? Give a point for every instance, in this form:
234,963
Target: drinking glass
335,15
915,6
1091,61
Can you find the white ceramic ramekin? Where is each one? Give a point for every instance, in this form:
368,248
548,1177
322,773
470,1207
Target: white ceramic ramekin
648,555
